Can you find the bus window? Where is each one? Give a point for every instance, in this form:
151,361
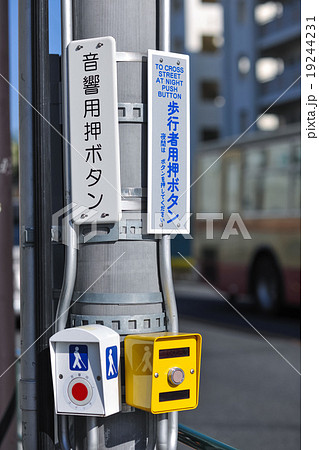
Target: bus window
254,159
296,198
232,187
210,186
254,162
279,155
296,185
276,192
252,193
297,154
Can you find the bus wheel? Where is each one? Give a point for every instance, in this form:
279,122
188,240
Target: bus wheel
266,284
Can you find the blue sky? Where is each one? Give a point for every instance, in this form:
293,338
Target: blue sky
55,47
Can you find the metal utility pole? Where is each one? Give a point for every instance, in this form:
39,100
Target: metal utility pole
35,224
27,251
130,296
8,438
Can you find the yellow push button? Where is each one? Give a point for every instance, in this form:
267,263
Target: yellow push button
175,376
162,371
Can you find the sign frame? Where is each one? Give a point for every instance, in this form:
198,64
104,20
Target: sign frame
94,150
156,222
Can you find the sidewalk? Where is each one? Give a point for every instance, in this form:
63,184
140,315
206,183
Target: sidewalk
196,290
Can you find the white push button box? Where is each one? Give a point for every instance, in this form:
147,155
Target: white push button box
85,363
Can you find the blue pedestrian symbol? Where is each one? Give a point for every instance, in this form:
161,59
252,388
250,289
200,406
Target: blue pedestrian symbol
111,362
78,357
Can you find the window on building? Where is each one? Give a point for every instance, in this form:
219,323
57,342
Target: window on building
209,44
209,90
267,12
219,101
177,5
269,68
209,134
243,65
178,44
268,122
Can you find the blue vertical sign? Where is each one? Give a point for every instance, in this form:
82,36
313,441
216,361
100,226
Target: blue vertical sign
168,143
112,369
78,357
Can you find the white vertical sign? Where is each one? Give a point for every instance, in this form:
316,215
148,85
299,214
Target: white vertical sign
168,143
94,135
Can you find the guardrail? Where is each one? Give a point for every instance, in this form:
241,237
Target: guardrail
199,441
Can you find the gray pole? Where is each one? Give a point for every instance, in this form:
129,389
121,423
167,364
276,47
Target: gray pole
167,423
28,398
35,222
129,297
43,270
8,439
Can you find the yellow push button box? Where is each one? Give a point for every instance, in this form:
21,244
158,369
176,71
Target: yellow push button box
162,371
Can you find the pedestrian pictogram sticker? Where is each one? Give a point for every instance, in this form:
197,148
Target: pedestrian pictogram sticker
143,359
145,366
78,357
111,362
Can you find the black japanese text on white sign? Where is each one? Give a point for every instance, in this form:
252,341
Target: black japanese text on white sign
94,136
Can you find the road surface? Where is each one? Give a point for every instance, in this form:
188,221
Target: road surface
249,395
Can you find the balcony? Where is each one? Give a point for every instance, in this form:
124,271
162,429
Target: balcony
271,90
282,29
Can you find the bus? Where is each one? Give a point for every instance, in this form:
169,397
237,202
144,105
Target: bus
258,178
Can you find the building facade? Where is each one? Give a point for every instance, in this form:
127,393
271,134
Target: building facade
245,62
196,29
261,64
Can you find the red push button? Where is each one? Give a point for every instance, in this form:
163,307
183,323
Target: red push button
79,392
